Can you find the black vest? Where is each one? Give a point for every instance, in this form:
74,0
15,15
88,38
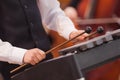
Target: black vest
20,24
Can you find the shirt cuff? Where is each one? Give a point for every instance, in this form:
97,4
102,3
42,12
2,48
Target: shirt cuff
17,55
65,26
66,34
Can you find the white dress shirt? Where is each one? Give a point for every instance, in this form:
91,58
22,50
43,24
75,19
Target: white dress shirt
52,17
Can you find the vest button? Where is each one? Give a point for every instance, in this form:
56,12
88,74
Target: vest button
31,24
36,42
25,6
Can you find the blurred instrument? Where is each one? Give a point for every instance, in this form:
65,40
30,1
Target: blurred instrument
98,21
96,8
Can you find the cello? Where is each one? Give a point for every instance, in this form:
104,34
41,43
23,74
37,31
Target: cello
93,9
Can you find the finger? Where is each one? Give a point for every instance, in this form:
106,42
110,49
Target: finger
39,55
32,62
36,59
81,38
42,54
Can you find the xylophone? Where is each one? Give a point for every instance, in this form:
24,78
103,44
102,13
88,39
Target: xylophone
76,60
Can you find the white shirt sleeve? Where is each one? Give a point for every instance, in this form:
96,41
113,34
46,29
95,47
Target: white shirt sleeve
11,54
54,18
